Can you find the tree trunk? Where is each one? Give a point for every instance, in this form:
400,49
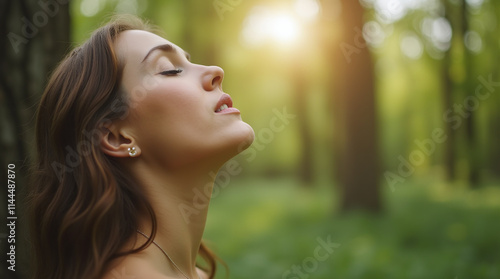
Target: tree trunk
354,97
472,154
448,89
462,136
305,167
36,35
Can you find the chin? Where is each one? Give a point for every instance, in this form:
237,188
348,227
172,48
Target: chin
247,139
216,151
238,140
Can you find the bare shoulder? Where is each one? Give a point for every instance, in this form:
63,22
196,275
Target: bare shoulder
132,267
202,274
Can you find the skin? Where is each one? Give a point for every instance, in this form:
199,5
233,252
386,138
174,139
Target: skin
179,140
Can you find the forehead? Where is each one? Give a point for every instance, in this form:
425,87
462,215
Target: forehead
132,45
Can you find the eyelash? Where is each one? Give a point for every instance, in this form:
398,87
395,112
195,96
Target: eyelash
171,72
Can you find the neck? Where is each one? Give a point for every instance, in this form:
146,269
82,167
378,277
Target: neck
180,201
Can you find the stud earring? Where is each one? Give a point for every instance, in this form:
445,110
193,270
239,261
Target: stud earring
132,152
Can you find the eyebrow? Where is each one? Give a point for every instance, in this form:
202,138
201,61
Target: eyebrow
166,48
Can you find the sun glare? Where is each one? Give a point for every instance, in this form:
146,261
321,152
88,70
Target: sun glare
284,28
264,25
279,25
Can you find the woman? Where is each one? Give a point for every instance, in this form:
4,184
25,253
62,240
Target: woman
128,132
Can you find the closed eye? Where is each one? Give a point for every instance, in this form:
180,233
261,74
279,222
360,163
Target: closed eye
171,72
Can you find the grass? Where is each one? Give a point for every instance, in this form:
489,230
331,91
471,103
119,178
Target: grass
270,229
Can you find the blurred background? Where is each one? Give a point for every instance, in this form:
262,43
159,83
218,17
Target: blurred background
377,126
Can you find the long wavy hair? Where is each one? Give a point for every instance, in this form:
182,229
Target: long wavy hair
83,206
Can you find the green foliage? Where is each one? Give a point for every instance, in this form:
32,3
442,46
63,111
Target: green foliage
261,228
410,100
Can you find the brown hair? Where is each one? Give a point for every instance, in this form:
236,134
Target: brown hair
83,206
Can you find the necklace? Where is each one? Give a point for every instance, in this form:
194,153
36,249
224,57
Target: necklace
165,253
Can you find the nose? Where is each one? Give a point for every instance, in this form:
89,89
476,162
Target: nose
212,78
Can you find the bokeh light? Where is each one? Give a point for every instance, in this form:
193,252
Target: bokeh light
438,31
307,9
473,41
374,34
90,8
411,46
476,4
127,7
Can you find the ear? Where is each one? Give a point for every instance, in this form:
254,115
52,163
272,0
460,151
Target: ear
116,142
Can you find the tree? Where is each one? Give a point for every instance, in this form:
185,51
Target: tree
300,95
447,91
457,89
356,144
35,36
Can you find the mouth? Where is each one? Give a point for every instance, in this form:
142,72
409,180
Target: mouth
221,108
225,105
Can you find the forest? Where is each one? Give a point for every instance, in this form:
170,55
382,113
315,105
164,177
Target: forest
377,129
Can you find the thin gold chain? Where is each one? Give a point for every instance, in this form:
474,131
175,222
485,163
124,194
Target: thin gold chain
165,253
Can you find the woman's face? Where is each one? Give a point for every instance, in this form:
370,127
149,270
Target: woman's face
175,112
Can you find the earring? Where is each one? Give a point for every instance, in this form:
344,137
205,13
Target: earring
132,152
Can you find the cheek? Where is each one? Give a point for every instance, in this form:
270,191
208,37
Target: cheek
175,126
173,103
172,121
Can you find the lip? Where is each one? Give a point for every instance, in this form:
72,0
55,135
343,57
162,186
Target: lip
226,99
